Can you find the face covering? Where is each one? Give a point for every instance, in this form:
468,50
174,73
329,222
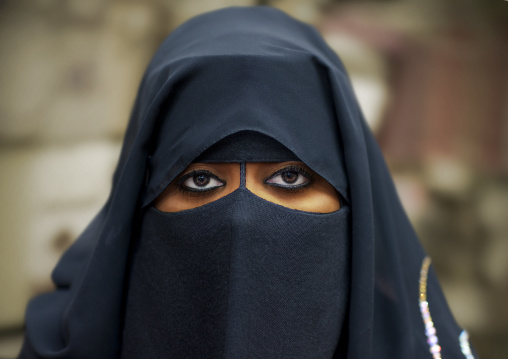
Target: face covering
240,277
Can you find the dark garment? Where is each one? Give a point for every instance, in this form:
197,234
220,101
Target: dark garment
233,70
240,277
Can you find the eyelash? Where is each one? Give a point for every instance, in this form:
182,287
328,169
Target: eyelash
297,169
196,192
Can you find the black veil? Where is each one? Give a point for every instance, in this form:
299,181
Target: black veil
281,71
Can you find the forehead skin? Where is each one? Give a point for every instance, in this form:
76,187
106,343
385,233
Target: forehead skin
319,196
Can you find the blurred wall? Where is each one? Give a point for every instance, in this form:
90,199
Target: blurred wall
431,78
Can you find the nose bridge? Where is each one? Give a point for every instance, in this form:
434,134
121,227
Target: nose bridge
244,246
243,212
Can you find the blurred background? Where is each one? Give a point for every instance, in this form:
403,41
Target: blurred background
431,76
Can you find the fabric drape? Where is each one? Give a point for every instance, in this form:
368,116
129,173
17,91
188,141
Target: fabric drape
233,70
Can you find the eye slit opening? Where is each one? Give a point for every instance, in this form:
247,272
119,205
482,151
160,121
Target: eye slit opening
199,181
291,178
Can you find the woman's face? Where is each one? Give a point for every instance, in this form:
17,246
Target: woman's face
290,184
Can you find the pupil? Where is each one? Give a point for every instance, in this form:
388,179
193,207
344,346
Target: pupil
201,180
289,177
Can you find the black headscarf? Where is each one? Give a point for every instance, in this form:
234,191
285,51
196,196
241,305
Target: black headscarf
234,70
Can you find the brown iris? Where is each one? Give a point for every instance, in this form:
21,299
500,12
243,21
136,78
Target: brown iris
289,176
201,180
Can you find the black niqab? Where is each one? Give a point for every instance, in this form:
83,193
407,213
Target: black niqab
246,69
239,277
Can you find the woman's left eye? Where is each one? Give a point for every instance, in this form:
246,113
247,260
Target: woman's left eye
289,178
200,181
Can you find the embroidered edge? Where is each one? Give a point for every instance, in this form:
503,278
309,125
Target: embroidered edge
430,330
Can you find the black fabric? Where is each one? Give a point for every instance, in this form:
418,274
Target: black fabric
246,69
240,277
247,146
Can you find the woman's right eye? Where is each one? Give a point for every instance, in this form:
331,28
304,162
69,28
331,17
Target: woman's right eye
200,181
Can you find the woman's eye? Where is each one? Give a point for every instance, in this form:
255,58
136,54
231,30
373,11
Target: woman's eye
289,178
200,181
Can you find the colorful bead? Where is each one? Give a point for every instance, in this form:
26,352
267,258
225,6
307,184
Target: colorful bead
464,345
432,340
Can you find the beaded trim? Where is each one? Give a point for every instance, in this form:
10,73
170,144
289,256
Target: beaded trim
430,331
464,345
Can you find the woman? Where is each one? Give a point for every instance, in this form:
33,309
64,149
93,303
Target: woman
251,216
